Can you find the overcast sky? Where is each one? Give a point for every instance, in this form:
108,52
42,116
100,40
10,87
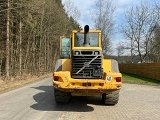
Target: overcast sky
84,7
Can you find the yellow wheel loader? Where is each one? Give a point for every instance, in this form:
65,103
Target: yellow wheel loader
83,71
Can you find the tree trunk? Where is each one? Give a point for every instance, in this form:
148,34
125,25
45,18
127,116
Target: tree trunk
40,42
8,42
20,48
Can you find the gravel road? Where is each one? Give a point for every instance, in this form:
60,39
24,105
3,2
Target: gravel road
36,102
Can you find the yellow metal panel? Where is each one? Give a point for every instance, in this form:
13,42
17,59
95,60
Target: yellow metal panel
66,65
107,65
100,40
72,40
66,83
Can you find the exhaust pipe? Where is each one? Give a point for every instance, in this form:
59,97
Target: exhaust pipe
86,36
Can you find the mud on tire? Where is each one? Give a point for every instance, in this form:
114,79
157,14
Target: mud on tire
110,98
61,97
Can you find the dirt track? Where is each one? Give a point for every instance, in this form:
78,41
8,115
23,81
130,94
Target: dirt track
36,102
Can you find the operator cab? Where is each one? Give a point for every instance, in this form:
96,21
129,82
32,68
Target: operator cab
84,39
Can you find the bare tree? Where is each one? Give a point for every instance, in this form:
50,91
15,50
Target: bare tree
139,29
156,42
128,33
120,49
103,20
71,9
73,14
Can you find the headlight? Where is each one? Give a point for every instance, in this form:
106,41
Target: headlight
108,78
76,53
96,52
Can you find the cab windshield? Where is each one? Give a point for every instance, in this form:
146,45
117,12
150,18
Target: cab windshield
79,39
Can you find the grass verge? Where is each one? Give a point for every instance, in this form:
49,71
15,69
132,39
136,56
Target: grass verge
133,79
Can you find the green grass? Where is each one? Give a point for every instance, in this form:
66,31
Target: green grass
133,79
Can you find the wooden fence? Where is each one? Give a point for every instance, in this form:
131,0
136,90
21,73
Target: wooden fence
150,70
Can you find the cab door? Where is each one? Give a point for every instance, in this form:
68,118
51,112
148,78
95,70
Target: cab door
65,44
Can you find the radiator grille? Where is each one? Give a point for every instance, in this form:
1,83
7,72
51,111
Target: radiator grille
88,71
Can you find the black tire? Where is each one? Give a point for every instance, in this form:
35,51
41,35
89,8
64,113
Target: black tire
110,98
62,97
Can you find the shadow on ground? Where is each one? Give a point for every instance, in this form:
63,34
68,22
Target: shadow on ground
45,101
